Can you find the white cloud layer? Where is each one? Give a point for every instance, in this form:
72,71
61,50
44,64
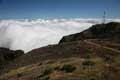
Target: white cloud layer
30,34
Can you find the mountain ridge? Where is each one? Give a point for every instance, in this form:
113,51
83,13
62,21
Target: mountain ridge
98,31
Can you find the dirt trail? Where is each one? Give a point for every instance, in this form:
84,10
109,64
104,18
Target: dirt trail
98,45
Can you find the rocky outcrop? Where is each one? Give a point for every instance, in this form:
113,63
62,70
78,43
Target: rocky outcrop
7,55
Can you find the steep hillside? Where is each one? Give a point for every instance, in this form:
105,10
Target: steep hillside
90,59
99,31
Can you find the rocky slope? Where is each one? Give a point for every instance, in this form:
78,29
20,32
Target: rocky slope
100,31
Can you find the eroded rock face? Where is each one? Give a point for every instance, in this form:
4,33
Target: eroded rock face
99,31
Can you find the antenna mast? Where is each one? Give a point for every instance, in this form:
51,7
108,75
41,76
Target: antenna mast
104,18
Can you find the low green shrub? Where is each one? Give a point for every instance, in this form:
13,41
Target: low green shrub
19,75
68,68
57,68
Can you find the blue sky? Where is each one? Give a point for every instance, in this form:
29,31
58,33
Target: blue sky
20,9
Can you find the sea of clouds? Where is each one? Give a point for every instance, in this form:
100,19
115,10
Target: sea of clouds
29,34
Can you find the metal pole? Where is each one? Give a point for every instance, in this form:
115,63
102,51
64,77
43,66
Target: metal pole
104,18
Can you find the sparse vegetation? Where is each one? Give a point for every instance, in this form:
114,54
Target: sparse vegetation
47,71
70,69
45,74
88,63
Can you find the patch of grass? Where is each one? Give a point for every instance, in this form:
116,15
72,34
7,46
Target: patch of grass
88,63
48,70
18,72
45,74
88,54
